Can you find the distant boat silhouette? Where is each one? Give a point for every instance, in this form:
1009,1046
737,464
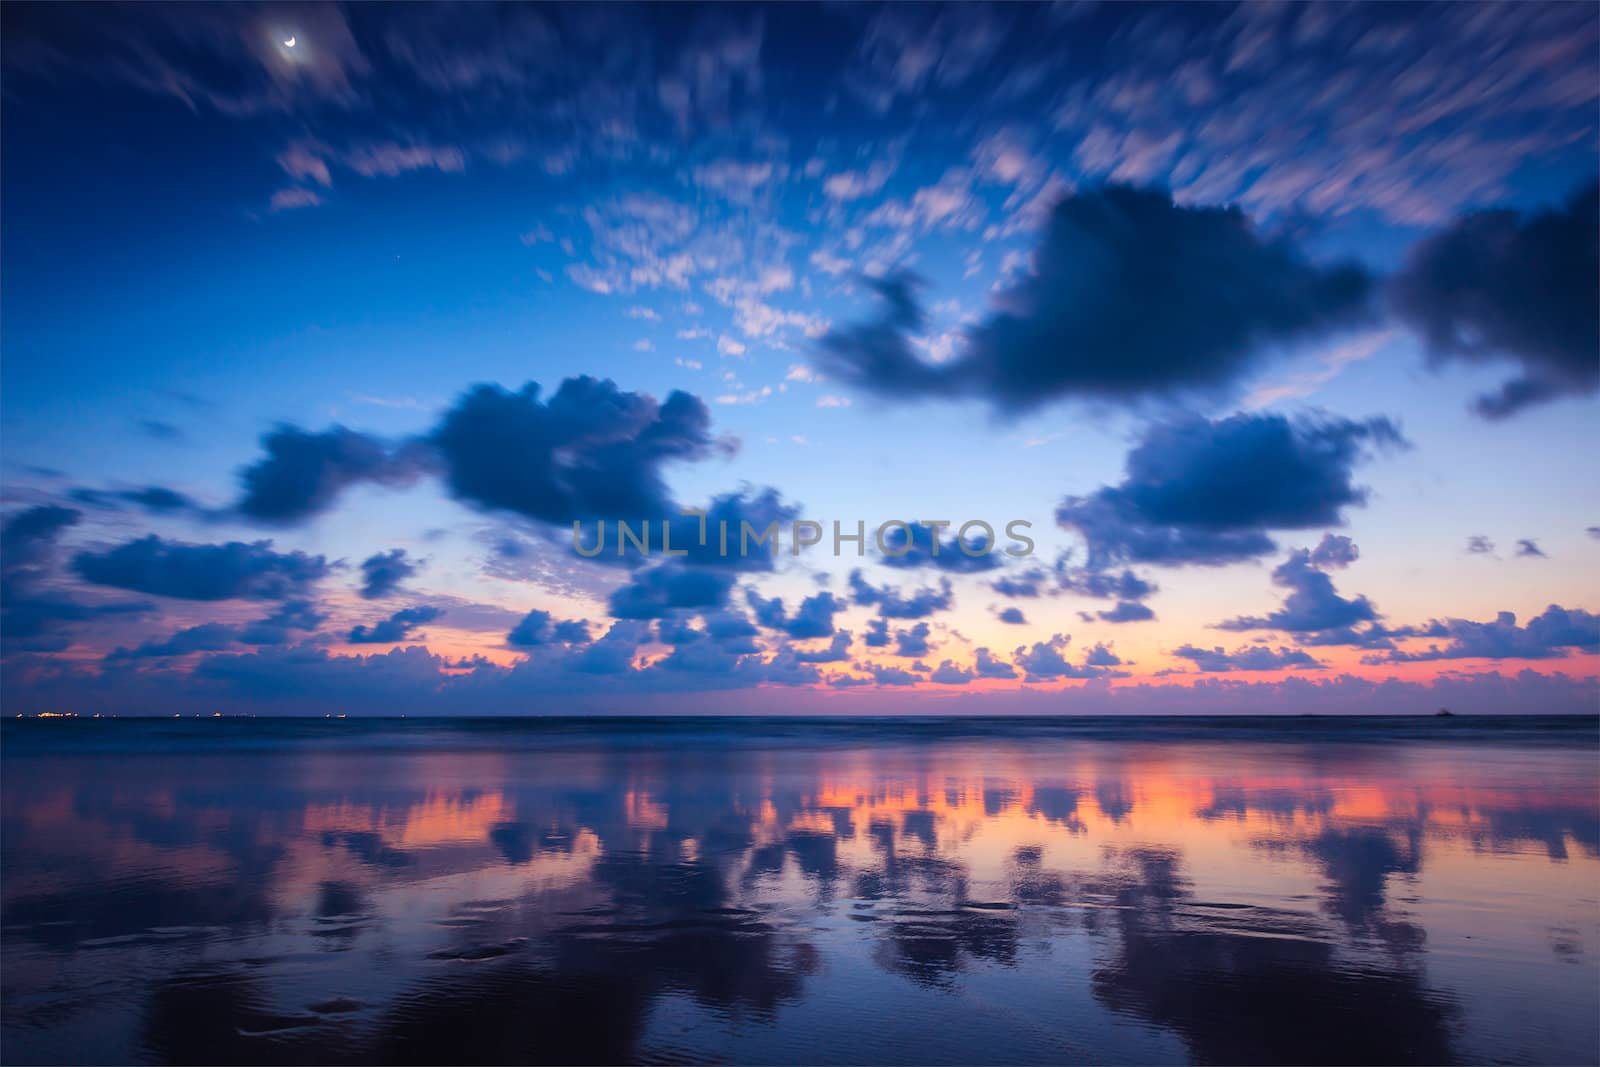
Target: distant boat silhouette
1444,713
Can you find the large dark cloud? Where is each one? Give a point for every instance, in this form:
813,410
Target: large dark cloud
892,604
920,546
591,451
1501,287
279,628
813,618
668,587
1555,633
33,617
396,627
1313,605
303,473
1132,296
541,628
28,537
759,509
1046,660
1204,492
228,571
382,573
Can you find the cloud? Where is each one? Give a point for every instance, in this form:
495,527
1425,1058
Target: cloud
813,618
838,650
382,573
1080,325
1248,658
32,617
667,587
877,633
893,605
279,628
1555,633
947,673
1026,585
235,570
590,451
1046,660
1500,287
1313,604
541,628
29,536
913,643
1013,616
1479,545
985,665
1127,611
1206,493
1527,546
303,473
889,676
294,197
396,627
917,545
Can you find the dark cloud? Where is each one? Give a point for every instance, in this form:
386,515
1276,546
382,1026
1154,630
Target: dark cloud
668,587
759,509
1203,492
1081,324
1104,585
1312,604
1527,546
1248,658
889,676
33,618
541,628
1046,660
838,650
985,665
382,573
1026,585
1555,633
913,643
1479,545
877,633
1498,286
614,651
947,673
893,605
28,537
207,637
917,546
1127,611
155,499
396,627
279,628
161,431
303,473
1013,616
591,451
36,620
235,570
813,618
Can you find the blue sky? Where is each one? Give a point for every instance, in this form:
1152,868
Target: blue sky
1187,288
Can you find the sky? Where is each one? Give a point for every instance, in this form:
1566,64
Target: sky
1273,329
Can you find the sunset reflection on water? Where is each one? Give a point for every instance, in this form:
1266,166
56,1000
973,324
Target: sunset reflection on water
720,894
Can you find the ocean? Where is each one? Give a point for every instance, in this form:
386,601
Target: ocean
763,890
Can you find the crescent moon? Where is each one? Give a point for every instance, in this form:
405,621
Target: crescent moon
289,43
